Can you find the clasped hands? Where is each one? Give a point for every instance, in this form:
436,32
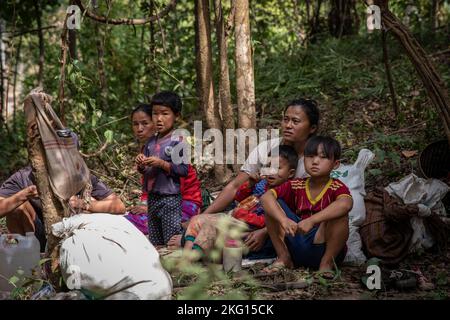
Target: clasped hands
142,161
291,228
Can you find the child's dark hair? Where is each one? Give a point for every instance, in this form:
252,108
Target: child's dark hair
142,107
309,107
167,99
289,154
331,147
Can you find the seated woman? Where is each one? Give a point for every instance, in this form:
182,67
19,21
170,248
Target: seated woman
144,129
300,122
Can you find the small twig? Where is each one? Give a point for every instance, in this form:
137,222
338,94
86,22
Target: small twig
31,31
283,286
98,152
124,187
113,121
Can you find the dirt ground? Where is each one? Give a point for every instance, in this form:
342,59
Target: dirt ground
349,285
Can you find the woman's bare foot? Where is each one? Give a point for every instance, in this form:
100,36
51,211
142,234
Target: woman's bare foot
326,271
278,266
174,242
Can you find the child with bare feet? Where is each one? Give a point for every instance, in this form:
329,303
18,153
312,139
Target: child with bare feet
308,225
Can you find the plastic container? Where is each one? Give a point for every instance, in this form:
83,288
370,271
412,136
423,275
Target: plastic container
17,252
232,256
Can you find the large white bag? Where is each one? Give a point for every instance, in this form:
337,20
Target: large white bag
106,257
353,177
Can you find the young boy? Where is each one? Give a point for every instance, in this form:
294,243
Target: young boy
161,174
320,207
201,233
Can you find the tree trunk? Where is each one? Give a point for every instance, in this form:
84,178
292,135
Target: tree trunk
430,78
205,86
100,37
2,80
52,209
101,67
433,14
224,77
38,13
340,21
245,84
72,44
72,41
203,48
388,71
153,71
62,71
16,65
315,20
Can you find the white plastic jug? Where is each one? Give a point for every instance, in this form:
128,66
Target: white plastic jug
232,256
17,252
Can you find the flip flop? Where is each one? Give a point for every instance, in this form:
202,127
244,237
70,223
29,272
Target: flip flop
326,274
274,268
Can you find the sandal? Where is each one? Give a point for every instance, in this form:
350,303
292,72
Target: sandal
326,274
403,279
275,268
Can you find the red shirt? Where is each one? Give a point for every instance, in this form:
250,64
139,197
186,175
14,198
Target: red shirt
189,187
296,194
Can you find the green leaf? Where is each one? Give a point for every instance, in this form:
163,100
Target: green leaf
109,136
13,280
375,172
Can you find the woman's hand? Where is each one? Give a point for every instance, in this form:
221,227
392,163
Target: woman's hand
256,239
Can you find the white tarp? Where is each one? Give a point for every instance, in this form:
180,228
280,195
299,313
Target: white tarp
103,253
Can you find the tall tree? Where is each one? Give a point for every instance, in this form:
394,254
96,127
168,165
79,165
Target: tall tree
204,68
2,91
340,19
100,38
245,83
205,84
38,13
224,75
72,40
